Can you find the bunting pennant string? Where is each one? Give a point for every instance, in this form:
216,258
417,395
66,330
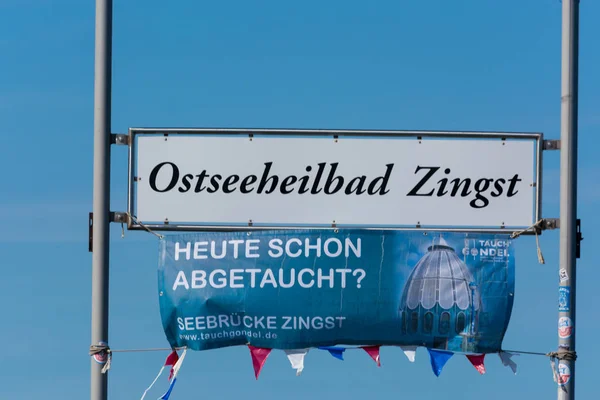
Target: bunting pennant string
438,359
477,361
373,351
259,356
171,360
173,379
410,352
296,358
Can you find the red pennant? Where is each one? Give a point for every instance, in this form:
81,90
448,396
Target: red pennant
259,356
172,360
477,361
373,351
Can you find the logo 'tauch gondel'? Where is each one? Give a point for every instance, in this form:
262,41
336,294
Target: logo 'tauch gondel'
486,249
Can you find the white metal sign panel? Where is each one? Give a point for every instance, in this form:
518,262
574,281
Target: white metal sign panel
236,180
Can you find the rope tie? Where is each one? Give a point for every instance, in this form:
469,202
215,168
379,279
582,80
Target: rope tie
516,234
563,355
99,348
103,350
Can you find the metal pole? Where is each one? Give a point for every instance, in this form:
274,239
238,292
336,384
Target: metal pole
568,197
101,207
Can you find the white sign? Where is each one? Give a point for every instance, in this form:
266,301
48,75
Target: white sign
378,181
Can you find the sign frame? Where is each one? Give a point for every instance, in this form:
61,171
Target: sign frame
134,133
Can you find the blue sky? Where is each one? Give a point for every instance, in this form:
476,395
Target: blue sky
467,65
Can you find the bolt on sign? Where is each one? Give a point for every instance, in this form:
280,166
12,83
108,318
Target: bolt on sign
233,178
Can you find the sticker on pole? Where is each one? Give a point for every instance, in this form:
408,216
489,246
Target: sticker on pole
565,327
564,298
102,356
564,373
563,275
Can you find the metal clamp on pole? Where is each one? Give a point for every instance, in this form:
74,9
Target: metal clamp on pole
118,217
119,139
550,224
551,145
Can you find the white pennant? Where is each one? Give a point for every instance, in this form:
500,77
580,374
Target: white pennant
507,362
554,370
296,358
177,365
410,352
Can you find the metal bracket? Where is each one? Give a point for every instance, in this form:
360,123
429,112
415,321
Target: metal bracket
578,239
119,217
119,139
551,144
91,231
550,223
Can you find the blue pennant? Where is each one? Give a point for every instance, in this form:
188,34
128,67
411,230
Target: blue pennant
337,352
168,393
438,359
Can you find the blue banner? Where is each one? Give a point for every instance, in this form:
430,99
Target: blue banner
291,289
